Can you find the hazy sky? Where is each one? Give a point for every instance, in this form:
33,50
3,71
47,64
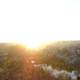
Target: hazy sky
39,20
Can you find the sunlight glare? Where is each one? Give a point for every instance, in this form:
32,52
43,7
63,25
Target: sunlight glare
35,22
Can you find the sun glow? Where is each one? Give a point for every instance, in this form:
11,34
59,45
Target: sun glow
35,41
36,22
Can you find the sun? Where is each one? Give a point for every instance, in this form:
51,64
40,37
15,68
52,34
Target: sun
36,41
32,40
29,43
32,45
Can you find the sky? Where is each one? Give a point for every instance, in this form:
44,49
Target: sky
35,22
